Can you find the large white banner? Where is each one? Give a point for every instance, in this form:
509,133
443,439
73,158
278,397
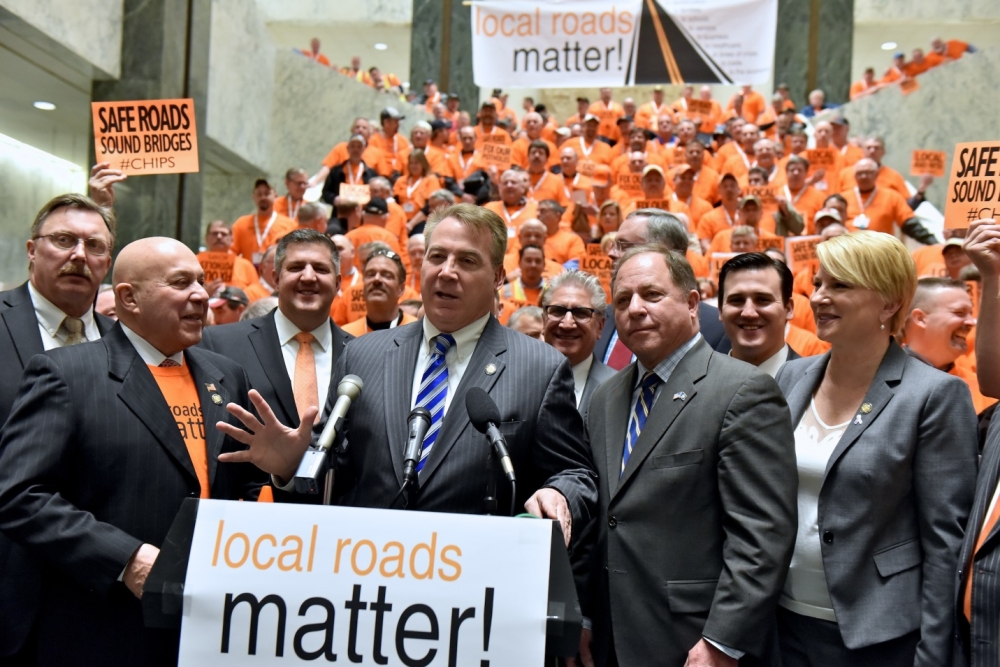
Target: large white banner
582,43
292,584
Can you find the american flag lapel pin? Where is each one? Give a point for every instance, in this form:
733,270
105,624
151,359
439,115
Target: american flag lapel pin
680,396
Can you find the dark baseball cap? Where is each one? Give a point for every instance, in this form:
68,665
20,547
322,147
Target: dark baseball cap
376,206
391,112
440,125
229,295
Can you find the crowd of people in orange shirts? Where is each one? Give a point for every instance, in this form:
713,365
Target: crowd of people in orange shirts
902,69
373,76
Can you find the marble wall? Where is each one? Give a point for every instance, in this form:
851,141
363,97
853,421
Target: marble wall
873,11
791,55
90,29
955,103
425,49
320,11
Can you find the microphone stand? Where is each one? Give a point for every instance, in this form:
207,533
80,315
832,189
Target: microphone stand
490,501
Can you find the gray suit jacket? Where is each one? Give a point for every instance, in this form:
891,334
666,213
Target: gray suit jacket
598,375
696,535
533,389
894,501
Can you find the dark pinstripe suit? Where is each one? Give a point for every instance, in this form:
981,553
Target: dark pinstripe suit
254,344
533,388
980,646
92,465
20,340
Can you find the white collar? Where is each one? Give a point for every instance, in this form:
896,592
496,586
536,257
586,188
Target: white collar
773,364
51,317
150,354
287,331
582,370
465,338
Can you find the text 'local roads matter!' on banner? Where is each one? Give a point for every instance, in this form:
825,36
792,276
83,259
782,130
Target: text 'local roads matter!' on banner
593,43
291,584
146,137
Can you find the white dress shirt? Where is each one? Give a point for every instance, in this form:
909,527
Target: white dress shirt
322,346
50,319
456,359
773,364
147,352
580,373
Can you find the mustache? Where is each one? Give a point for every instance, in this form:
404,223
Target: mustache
71,269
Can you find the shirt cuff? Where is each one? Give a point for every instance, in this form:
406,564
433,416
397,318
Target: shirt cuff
587,624
287,488
731,652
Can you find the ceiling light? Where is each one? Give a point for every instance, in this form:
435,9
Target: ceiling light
381,46
889,46
45,106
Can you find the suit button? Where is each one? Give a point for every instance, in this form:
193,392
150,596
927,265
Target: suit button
612,522
827,537
192,494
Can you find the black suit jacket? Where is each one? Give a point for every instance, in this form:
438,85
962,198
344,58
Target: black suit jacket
708,322
695,536
254,344
92,465
533,389
598,375
338,175
20,340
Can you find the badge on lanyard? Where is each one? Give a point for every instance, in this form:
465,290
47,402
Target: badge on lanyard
862,221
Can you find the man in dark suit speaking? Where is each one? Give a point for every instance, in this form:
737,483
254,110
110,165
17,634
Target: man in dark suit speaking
104,442
458,345
697,501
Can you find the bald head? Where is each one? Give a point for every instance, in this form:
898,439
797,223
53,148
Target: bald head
159,293
532,232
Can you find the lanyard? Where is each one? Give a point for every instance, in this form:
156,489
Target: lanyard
857,193
687,203
463,164
743,155
583,147
506,215
729,218
354,180
256,228
411,188
292,208
576,179
796,198
541,180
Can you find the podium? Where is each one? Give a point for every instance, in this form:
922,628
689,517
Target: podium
163,599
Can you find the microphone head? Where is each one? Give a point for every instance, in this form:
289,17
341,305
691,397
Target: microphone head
419,413
481,408
350,386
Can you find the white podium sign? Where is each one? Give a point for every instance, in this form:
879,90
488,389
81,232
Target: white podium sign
278,584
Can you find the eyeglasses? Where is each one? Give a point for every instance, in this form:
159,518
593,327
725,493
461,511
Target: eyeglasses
622,246
66,241
580,314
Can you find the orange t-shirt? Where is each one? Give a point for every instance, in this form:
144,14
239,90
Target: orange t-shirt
802,313
858,88
564,246
437,158
955,48
256,291
646,114
461,166
413,195
245,240
930,261
803,283
851,154
547,185
359,327
519,152
496,136
713,222
232,270
980,401
887,178
706,184
283,206
590,156
806,202
345,307
514,216
390,148
177,386
804,342
608,115
368,233
885,209
721,241
753,106
695,207
338,155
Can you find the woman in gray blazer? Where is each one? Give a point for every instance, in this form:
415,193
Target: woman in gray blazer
886,449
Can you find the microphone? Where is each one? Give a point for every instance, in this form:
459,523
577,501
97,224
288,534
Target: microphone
314,463
419,423
485,418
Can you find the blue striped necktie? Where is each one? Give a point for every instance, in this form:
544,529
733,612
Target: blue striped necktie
647,390
433,392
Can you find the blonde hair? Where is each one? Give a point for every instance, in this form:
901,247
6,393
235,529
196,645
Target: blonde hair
743,230
874,261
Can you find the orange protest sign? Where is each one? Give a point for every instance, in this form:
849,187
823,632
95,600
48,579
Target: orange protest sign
766,193
973,184
631,184
147,136
662,204
497,155
821,158
765,244
598,264
928,162
217,266
586,167
907,86
361,194
700,108
801,252
716,261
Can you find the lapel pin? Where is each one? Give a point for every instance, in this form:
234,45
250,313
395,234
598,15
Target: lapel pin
216,399
209,386
680,396
866,408
857,420
491,369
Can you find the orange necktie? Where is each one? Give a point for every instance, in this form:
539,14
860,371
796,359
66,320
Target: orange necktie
991,522
304,384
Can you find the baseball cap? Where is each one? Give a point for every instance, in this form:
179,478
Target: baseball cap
652,167
728,174
391,112
625,119
840,120
583,99
440,125
357,137
376,206
229,295
262,181
591,117
657,89
488,103
749,198
681,168
602,176
828,213
953,242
